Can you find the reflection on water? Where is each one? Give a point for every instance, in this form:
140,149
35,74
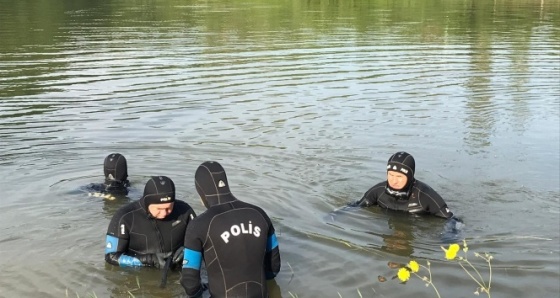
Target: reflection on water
400,241
302,102
111,206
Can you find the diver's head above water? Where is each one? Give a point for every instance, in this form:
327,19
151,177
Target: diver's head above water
159,196
116,174
115,169
211,184
400,174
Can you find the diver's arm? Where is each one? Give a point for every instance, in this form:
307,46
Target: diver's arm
116,245
192,261
115,248
444,212
434,203
190,216
370,197
272,256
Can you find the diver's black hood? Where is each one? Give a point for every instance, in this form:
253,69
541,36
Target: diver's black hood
211,184
115,169
158,190
404,163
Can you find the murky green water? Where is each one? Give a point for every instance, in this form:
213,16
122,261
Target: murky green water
302,102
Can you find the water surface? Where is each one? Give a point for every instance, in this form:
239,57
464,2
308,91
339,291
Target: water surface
302,102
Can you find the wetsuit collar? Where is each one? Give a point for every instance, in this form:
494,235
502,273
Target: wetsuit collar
402,194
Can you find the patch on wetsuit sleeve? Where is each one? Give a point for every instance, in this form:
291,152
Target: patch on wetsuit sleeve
111,244
271,243
192,259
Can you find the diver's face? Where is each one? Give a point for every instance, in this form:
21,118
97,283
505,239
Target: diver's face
160,211
396,180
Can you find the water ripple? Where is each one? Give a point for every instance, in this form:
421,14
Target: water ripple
302,105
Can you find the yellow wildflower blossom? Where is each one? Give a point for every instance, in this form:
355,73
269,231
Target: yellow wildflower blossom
403,274
413,266
451,252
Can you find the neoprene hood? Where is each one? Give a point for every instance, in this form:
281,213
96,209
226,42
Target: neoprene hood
114,168
158,190
211,184
402,162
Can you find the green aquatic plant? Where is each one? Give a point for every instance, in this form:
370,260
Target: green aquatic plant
413,268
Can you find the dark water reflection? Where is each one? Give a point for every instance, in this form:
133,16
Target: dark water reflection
302,102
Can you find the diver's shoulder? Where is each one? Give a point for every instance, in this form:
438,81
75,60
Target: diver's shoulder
94,188
380,185
129,208
422,186
203,220
242,204
245,205
377,188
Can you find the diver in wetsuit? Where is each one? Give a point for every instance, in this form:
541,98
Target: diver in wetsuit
148,231
404,193
235,239
116,174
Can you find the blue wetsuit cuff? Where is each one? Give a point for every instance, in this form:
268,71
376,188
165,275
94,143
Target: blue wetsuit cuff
271,243
111,244
192,259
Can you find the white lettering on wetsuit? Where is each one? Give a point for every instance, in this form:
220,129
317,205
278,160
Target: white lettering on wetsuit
237,230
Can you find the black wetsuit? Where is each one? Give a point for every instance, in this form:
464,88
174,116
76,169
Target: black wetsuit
236,240
421,199
114,188
134,236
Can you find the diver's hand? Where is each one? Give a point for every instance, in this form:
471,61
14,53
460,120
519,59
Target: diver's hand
452,230
161,257
203,287
177,259
156,260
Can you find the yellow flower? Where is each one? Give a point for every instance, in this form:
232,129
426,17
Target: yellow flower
451,252
403,274
413,266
